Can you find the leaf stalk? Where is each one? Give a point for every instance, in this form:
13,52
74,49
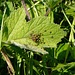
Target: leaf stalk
26,10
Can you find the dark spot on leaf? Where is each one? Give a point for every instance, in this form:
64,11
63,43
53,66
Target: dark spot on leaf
30,33
41,34
45,30
44,42
51,36
37,38
50,32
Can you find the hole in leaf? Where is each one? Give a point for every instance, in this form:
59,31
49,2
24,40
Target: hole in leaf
50,32
45,30
51,36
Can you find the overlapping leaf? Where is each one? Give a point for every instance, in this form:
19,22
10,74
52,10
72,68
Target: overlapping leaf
71,11
53,3
16,30
63,66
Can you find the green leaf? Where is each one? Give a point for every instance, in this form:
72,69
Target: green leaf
37,9
61,50
71,11
0,17
72,51
65,67
41,9
53,3
38,32
72,6
52,33
9,5
0,38
13,22
9,8
35,69
16,26
30,47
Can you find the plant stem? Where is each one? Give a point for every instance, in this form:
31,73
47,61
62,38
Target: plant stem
67,52
71,38
19,60
26,10
34,5
7,60
2,24
33,0
68,21
44,64
24,66
47,12
31,63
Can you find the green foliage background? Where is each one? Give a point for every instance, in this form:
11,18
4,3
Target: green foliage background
55,55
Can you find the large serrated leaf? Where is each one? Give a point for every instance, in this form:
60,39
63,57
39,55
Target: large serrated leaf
17,31
13,22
